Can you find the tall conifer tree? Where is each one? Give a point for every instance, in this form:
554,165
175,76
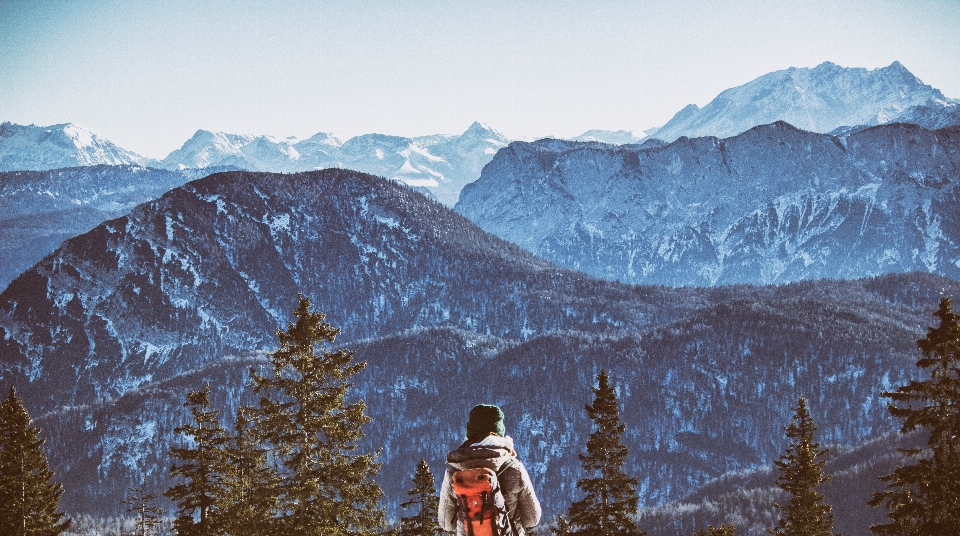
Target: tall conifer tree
29,499
201,466
423,496
325,487
924,497
801,471
611,498
248,505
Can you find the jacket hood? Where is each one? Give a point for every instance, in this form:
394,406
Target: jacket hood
493,451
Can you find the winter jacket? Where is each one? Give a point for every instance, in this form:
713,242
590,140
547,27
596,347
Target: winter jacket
492,452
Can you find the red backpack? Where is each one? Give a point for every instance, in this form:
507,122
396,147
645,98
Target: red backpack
482,509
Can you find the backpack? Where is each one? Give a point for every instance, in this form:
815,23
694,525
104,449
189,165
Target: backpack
482,509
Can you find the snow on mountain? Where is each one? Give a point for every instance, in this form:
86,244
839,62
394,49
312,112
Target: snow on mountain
932,115
618,137
771,205
439,164
206,149
34,147
105,335
818,99
467,154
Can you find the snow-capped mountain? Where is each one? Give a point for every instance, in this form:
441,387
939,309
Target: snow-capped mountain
618,137
818,99
771,205
104,337
440,164
34,147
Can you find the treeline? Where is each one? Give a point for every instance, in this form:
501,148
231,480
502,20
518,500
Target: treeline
290,464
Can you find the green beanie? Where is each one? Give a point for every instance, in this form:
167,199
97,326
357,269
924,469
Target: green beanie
485,419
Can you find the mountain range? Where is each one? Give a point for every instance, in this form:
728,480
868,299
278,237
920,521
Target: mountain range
440,164
104,337
717,276
772,205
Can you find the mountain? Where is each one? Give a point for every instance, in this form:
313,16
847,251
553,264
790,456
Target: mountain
104,337
41,209
820,99
439,164
59,146
772,205
618,137
932,115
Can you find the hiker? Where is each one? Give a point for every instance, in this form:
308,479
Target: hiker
488,446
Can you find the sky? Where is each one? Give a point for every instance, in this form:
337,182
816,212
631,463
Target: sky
147,74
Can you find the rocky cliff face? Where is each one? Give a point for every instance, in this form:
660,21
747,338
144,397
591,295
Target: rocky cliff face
820,99
772,205
104,337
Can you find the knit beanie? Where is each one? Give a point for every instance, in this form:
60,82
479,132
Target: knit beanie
485,419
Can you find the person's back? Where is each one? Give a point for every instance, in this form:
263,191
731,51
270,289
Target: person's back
488,446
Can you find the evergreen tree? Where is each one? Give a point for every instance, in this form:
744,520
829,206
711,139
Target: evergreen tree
562,528
924,497
140,503
29,498
248,504
801,471
423,495
202,466
325,488
611,496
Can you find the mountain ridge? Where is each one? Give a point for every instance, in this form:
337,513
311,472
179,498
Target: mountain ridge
771,205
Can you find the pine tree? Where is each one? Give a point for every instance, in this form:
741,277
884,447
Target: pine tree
140,503
202,466
423,495
29,498
248,505
801,471
924,497
325,488
611,496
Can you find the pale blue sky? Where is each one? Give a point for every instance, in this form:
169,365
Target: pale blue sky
148,73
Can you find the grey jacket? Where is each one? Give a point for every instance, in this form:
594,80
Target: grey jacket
492,452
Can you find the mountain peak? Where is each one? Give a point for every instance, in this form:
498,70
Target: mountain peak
483,130
898,66
820,99
33,147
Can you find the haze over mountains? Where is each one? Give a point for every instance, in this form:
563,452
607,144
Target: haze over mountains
178,274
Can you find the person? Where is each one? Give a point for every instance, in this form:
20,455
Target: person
487,445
